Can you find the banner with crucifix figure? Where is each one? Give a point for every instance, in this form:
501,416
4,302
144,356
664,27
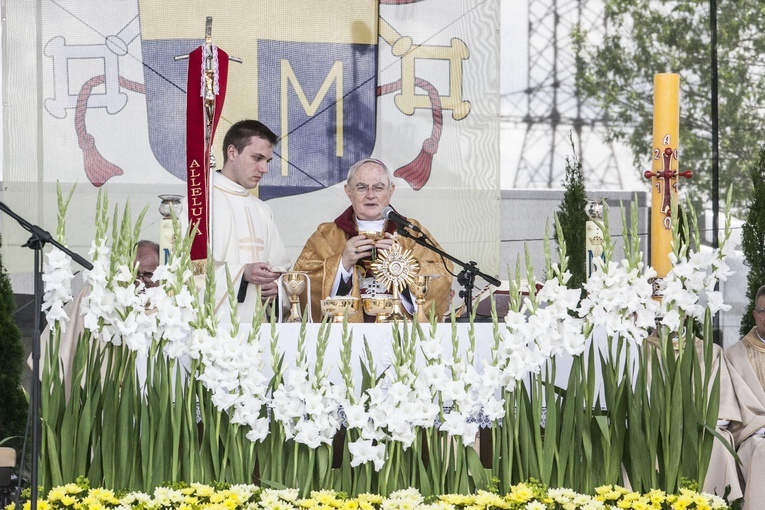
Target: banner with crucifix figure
206,92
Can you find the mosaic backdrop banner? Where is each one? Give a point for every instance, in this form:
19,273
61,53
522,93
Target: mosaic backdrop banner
95,96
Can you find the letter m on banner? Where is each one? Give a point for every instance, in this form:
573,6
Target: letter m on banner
308,71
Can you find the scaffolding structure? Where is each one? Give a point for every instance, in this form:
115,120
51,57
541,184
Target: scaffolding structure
550,111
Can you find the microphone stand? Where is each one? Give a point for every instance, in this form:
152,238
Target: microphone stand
466,277
37,243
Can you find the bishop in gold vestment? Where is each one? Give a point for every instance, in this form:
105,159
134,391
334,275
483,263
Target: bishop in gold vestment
338,259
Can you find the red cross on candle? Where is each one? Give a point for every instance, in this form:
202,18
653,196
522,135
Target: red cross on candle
667,174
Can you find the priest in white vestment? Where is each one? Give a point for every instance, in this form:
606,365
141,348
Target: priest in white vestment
746,364
244,236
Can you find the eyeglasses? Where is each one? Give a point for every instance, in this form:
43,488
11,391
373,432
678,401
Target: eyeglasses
363,189
759,310
144,275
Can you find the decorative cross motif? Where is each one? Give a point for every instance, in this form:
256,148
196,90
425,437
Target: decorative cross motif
453,55
667,175
108,53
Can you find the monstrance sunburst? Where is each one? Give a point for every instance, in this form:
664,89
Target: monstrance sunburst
395,269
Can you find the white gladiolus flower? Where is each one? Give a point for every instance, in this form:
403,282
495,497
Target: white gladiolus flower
314,403
124,274
573,342
356,416
513,337
403,433
616,296
454,423
431,349
258,429
363,451
223,400
715,302
435,376
452,390
398,392
57,279
372,433
307,407
691,284
514,319
494,408
309,434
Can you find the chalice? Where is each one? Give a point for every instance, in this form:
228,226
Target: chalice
294,285
419,288
374,236
381,306
336,307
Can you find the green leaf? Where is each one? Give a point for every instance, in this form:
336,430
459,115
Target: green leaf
477,472
54,468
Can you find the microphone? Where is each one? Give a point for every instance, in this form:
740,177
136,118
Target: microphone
389,214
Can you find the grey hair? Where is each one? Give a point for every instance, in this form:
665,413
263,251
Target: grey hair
145,244
760,293
357,165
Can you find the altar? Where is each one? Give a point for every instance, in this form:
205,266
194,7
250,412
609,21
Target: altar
380,339
455,341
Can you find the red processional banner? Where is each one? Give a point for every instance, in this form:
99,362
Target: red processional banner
204,103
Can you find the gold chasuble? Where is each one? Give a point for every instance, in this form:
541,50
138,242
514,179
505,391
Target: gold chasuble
320,259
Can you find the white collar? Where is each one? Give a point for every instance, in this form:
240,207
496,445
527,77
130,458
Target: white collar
230,185
370,225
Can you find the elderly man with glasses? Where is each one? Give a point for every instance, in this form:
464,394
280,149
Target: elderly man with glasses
339,255
746,364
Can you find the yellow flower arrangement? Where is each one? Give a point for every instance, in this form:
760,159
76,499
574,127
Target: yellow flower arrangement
525,496
619,497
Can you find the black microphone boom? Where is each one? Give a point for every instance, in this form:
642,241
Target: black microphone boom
389,214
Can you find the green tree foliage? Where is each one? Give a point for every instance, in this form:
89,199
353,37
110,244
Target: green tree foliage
573,219
645,37
13,401
753,239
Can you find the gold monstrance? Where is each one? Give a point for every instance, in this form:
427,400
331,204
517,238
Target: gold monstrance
395,269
